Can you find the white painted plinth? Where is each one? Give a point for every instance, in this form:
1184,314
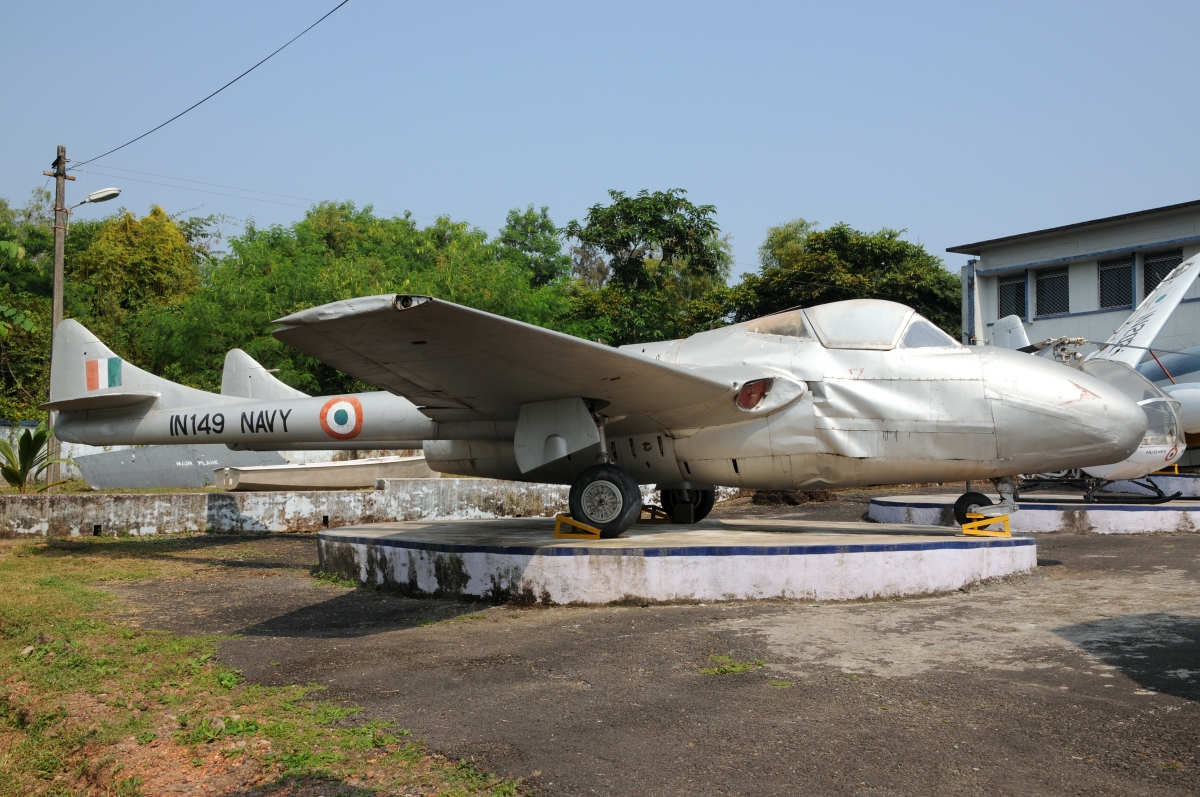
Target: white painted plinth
1032,518
712,561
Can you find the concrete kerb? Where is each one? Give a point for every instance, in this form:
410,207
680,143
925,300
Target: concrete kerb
86,514
301,511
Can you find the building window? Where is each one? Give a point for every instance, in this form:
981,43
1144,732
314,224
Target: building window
1053,291
1157,265
1011,296
1116,282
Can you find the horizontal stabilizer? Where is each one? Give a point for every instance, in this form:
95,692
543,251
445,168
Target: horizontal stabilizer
108,400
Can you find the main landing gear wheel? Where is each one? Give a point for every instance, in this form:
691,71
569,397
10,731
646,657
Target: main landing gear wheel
969,502
607,498
701,500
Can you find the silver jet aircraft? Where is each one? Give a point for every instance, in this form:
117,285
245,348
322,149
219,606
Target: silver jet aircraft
852,393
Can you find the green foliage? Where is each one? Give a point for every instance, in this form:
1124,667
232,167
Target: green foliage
532,237
802,266
26,244
27,462
24,355
643,261
336,252
13,317
130,270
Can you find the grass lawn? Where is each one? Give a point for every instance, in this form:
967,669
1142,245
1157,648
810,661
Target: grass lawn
93,706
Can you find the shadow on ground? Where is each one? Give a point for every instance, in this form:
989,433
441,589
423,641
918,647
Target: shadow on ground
360,613
1158,651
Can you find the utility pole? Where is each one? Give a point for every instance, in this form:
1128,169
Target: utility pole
60,241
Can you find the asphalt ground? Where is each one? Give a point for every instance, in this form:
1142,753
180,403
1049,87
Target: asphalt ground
1080,678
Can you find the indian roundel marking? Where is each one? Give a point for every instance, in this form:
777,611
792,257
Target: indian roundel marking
342,417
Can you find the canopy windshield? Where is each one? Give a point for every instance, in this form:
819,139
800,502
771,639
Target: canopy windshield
923,334
789,324
859,323
1123,378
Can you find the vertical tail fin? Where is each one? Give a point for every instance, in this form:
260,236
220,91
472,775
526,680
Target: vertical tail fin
245,378
86,375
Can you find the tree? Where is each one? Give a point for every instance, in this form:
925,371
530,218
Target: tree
27,244
131,265
642,261
802,266
335,252
663,225
532,238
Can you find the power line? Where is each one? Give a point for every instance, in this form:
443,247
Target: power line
200,190
218,91
198,182
93,170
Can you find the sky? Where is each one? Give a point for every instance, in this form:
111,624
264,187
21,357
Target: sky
957,122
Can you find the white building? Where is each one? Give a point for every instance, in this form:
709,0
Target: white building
1083,280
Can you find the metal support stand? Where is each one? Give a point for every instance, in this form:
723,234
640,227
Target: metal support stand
979,523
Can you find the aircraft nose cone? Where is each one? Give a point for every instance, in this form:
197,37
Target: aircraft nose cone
1051,417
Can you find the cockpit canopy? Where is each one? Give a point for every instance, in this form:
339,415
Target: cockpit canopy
855,324
1162,412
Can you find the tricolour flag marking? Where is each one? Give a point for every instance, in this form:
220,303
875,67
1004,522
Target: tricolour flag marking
102,373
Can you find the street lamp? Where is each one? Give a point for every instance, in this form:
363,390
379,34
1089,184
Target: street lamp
62,215
103,195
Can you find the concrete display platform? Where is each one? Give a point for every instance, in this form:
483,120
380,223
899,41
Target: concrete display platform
519,559
1032,518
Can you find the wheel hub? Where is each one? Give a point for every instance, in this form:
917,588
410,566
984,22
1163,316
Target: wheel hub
601,502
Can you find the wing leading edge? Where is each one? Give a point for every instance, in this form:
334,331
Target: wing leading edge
458,364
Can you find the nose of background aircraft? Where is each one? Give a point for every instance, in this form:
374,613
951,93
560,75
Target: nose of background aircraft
1051,417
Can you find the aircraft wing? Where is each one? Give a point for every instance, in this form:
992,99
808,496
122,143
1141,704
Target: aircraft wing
460,364
1131,340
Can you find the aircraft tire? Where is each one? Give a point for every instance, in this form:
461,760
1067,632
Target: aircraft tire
967,503
607,498
704,501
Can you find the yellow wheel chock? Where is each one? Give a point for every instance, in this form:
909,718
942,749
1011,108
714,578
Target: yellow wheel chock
978,526
585,532
653,514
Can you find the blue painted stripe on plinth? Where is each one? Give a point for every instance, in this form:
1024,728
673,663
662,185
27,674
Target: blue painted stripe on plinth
698,550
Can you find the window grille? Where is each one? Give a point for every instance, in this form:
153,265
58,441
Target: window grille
1053,291
1116,282
1157,265
1011,296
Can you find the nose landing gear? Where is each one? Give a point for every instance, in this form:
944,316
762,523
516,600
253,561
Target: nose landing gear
969,502
979,503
